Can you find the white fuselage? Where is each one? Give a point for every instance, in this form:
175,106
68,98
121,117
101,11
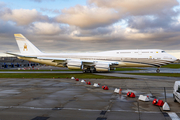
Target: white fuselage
100,61
125,58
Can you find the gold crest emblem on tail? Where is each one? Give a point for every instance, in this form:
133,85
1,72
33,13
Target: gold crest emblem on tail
25,47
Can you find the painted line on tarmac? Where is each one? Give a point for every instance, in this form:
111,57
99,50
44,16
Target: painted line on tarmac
80,109
173,116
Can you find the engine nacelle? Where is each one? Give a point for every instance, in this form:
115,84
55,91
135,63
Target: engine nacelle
102,67
74,64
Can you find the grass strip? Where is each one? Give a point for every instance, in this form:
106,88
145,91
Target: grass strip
174,66
58,75
157,74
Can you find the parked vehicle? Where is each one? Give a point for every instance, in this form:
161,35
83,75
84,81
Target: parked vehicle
176,91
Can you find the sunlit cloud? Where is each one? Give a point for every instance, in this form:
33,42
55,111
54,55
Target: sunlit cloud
88,17
45,28
98,25
136,7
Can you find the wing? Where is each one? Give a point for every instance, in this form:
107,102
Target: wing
70,63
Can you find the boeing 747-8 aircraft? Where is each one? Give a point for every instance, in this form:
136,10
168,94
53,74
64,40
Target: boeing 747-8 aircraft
91,62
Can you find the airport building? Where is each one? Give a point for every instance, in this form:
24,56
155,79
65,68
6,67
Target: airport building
14,62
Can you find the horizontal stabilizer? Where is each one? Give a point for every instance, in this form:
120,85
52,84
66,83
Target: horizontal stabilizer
17,55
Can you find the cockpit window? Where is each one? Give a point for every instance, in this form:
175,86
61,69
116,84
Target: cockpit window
163,52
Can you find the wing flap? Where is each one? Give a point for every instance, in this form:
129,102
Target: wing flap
50,58
56,60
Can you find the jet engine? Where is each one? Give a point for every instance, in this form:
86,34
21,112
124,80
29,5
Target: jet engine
102,67
74,64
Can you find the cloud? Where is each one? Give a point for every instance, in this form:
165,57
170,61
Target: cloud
100,25
136,7
166,21
146,16
39,1
56,11
2,5
88,17
46,28
100,31
22,16
102,13
109,38
150,23
8,28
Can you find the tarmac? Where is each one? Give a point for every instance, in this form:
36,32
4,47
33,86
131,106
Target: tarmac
67,99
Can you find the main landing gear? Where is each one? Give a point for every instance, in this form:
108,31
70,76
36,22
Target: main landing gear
86,70
90,70
158,70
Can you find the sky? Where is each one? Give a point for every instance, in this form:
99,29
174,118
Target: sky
57,26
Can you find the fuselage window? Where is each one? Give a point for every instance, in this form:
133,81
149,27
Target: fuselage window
124,52
145,52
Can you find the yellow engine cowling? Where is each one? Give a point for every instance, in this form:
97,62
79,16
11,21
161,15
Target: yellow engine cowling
102,67
74,64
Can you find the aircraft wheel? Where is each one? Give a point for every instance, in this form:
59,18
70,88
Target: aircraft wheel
87,71
174,98
84,71
158,70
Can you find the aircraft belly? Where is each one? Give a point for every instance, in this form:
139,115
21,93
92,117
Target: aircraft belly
128,64
47,62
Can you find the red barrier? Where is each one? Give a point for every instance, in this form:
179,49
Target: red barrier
158,102
128,94
89,83
105,87
120,90
131,94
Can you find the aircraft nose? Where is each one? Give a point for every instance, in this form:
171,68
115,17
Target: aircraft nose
174,58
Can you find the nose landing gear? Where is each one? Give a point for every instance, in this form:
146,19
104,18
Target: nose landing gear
158,70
